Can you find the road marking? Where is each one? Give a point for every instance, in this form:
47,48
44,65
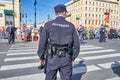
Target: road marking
86,46
108,65
24,53
40,76
22,50
90,48
102,56
18,66
3,52
21,58
28,65
85,69
24,45
115,78
98,51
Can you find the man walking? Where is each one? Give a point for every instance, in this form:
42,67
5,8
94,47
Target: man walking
60,43
102,34
11,31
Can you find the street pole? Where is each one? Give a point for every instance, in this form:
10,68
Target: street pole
48,17
13,14
35,3
26,17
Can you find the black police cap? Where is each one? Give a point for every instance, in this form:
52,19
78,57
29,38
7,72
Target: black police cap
60,8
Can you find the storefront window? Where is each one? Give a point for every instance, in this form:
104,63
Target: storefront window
8,19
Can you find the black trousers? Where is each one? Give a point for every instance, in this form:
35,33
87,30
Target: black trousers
61,64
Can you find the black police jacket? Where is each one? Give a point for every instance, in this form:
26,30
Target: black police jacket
60,32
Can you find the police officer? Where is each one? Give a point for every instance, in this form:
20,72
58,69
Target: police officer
61,42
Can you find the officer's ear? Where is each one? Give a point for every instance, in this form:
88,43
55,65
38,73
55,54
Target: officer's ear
64,13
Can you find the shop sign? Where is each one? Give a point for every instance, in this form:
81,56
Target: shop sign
2,5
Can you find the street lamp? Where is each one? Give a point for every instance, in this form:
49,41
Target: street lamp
26,17
35,3
13,14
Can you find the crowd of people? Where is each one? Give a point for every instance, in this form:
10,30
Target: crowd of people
25,33
98,33
22,33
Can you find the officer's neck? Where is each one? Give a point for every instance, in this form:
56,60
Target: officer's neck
60,15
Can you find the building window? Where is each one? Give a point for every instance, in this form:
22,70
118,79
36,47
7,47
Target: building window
85,14
96,15
85,8
85,21
86,2
1,15
92,22
89,15
96,3
96,22
89,2
93,3
89,21
96,9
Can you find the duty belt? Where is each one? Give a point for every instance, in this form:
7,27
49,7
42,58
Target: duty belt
60,51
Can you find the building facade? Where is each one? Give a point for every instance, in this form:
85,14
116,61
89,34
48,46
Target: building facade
91,13
10,12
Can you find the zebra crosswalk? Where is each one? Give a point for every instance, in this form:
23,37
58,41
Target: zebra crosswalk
21,62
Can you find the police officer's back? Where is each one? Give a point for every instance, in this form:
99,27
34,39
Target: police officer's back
61,42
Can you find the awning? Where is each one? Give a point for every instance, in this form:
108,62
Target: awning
8,11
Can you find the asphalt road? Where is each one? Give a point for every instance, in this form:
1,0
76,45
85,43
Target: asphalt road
96,61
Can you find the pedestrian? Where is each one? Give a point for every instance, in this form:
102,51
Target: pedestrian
111,35
11,31
102,34
60,43
41,28
81,32
1,30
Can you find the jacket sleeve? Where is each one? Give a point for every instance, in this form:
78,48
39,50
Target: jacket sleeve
76,44
42,43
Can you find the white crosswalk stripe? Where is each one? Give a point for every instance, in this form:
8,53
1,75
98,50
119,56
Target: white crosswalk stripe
39,76
3,52
22,50
98,51
115,78
85,69
22,53
107,65
17,52
18,66
91,48
21,58
101,56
